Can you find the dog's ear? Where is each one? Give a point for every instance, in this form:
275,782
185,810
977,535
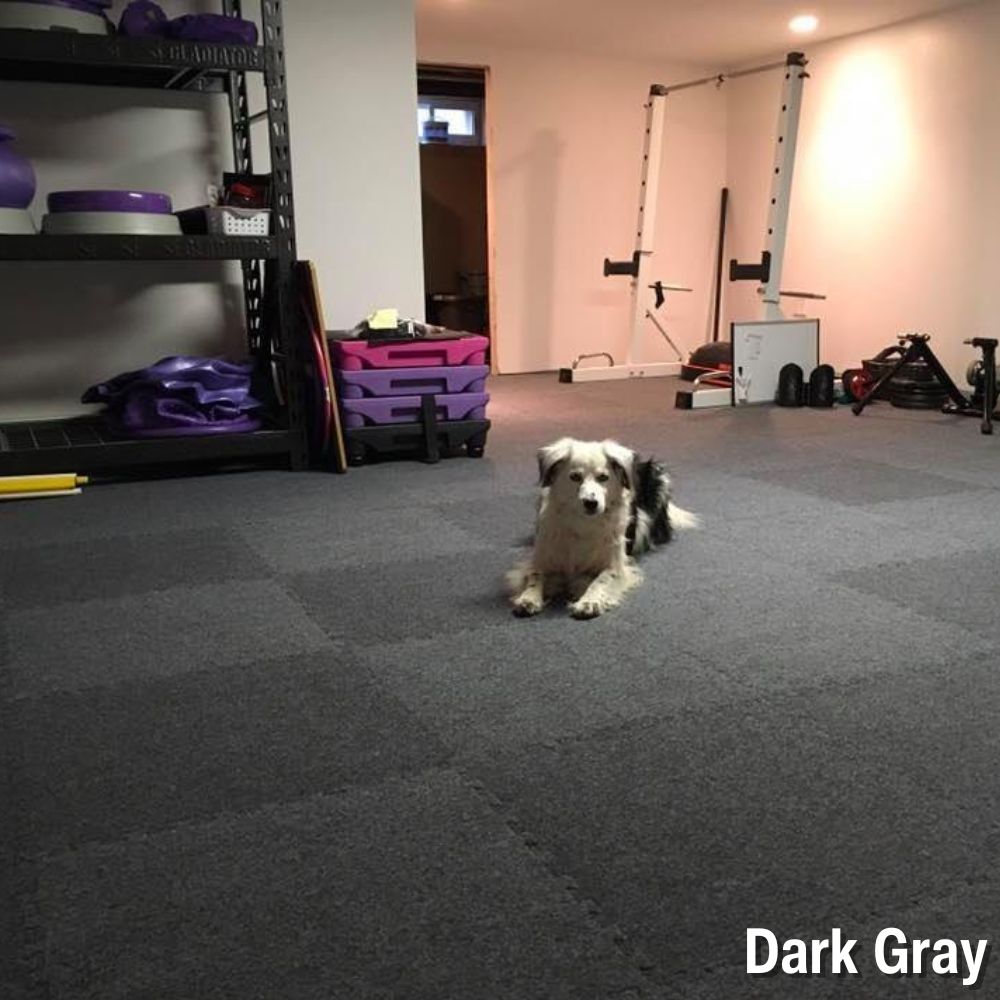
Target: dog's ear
550,457
622,460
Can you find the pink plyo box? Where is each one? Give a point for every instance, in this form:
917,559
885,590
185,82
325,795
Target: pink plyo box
412,381
406,409
354,355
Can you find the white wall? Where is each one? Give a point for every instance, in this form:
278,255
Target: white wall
352,92
65,326
897,187
352,77
564,151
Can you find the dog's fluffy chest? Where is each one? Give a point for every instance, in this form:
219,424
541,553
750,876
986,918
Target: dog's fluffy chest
578,545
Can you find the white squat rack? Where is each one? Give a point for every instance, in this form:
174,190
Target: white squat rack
767,273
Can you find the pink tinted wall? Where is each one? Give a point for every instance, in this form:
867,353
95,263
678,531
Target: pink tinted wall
896,197
565,146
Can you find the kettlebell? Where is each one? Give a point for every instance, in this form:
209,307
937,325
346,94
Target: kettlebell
821,386
791,389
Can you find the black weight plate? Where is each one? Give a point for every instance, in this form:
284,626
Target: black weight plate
925,388
913,371
919,400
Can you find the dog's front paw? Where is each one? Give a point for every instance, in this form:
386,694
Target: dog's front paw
527,605
587,607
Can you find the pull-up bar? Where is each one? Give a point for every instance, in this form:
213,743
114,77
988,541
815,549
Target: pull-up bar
661,90
767,273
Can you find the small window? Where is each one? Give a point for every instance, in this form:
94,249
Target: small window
453,120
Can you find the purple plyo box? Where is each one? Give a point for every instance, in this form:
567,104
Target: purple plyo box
410,381
406,409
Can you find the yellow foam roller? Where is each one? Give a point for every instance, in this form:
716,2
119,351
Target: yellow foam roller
48,483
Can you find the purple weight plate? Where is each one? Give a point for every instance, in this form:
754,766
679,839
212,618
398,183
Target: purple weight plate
86,6
110,201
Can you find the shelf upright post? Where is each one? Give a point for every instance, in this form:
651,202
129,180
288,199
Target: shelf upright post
239,121
280,283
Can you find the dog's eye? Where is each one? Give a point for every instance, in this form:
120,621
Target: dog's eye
577,477
602,477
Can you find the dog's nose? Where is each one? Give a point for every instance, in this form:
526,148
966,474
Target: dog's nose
590,506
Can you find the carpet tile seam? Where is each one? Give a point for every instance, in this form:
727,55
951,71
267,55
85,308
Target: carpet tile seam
628,950
17,699
230,814
236,814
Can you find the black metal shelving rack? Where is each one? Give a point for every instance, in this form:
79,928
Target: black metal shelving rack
81,444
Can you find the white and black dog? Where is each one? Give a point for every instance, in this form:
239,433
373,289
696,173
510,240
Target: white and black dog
599,508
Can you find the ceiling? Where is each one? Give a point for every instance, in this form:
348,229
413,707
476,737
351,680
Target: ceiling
718,33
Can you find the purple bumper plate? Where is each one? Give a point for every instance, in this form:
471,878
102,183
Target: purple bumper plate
86,6
110,201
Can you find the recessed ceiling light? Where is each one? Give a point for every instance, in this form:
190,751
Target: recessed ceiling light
804,24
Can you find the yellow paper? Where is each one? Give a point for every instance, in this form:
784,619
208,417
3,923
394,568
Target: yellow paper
384,319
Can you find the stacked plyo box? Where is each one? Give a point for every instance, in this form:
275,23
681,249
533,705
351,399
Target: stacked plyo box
424,397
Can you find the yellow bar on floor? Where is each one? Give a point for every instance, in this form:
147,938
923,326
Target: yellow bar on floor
41,484
31,495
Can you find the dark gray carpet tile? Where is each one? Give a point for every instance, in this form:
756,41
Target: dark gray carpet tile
326,539
725,439
96,764
961,589
736,454
401,600
128,564
958,451
935,723
842,539
696,594
97,643
395,485
404,890
765,624
733,983
539,680
687,831
973,516
720,496
111,509
839,649
504,520
857,482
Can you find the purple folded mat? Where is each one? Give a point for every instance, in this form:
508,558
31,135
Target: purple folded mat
146,414
179,396
211,373
149,202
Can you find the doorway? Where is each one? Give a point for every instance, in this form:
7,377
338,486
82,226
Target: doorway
453,177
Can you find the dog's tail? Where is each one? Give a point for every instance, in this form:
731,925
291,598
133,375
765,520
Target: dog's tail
681,518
